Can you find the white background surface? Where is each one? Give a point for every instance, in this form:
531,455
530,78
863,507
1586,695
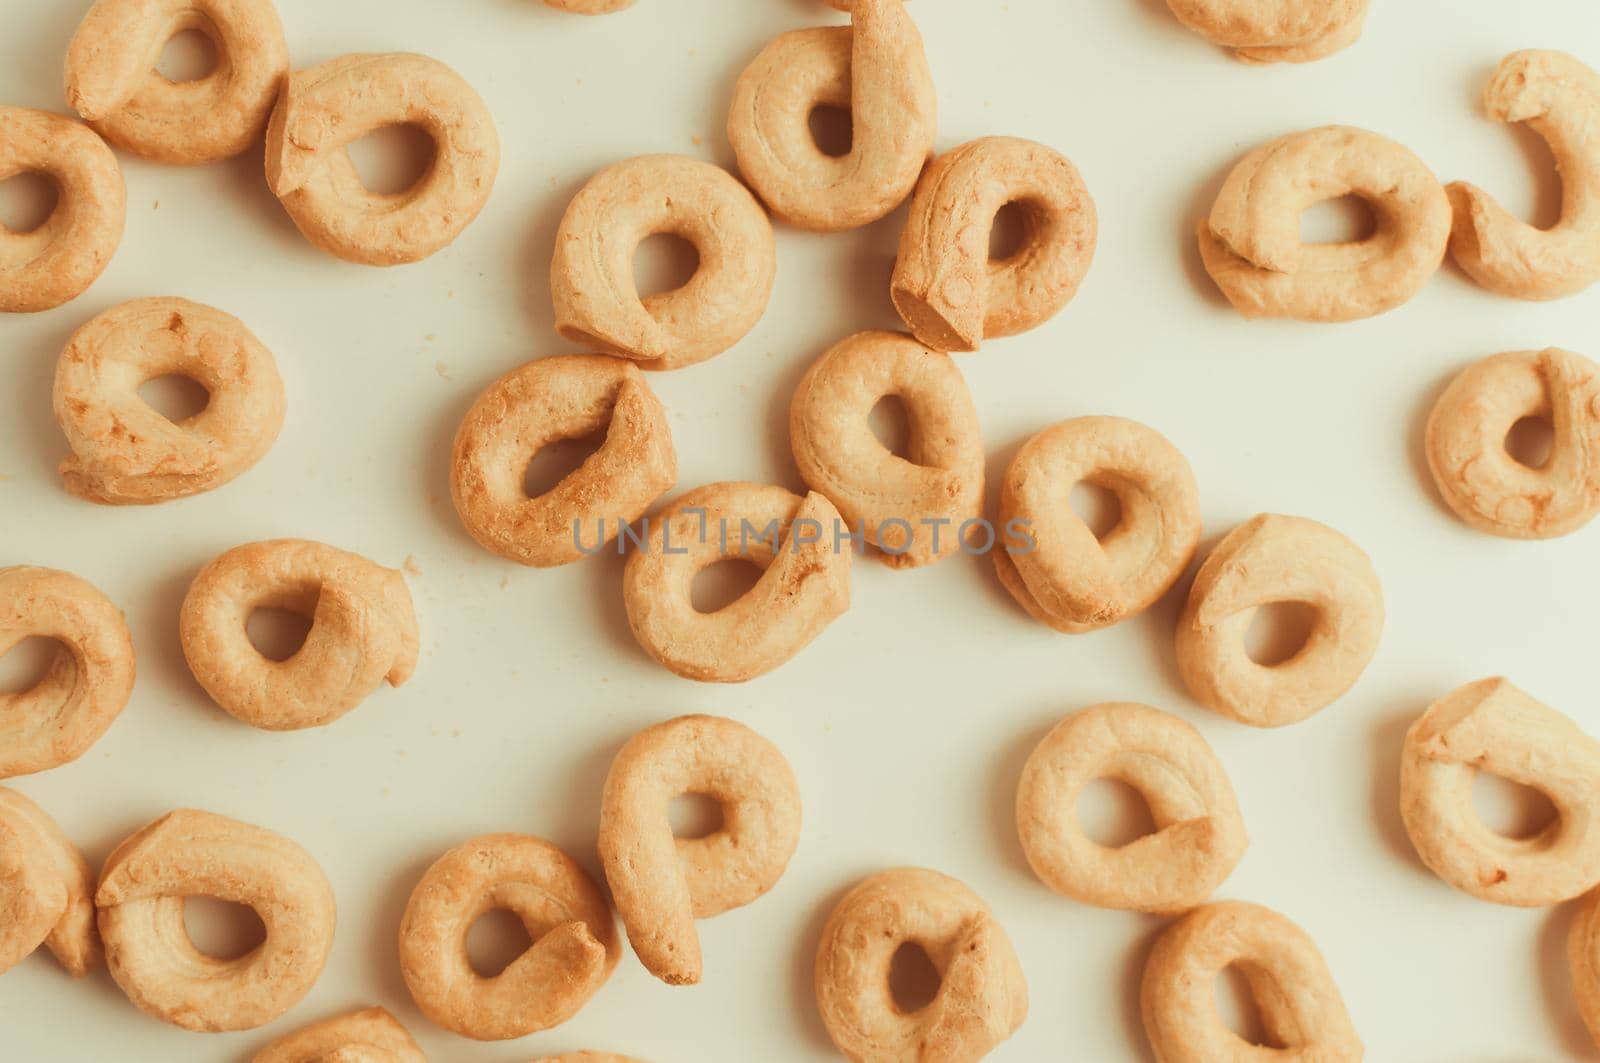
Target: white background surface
908,720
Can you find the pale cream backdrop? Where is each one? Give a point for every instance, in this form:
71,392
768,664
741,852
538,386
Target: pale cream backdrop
908,720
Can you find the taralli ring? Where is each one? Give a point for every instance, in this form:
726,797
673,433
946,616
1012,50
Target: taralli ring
1479,478
56,263
1275,31
1559,98
982,998
951,294
90,677
915,509
199,854
591,275
1492,726
325,109
574,940
1275,559
123,450
112,81
804,584
1251,242
1053,564
46,890
1583,960
370,1035
1300,1006
876,69
589,7
661,884
564,397
363,632
1199,836
587,1057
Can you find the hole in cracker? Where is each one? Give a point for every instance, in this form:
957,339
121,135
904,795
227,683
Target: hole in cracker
913,979
1097,506
27,201
1510,809
1239,1010
277,634
664,262
27,663
890,421
720,585
558,460
830,129
495,940
394,159
175,397
1346,219
221,929
1530,441
1539,199
189,56
1009,233
1278,631
1113,814
694,816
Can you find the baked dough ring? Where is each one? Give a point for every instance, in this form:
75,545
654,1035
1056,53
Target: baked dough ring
370,1035
591,275
1559,98
951,294
112,81
661,884
589,7
588,1056
804,585
1274,31
56,262
1466,443
1251,242
1492,726
1300,1005
90,677
1583,960
982,998
199,854
325,109
363,631
574,938
875,68
917,509
1067,578
123,451
1269,559
564,397
46,890
1199,837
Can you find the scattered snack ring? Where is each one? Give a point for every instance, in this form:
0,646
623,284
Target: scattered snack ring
56,262
1275,31
325,109
1251,241
1479,478
1053,564
1583,961
591,275
1492,726
1301,1009
370,1035
948,290
661,884
89,680
124,451
917,509
1199,836
574,941
1559,98
874,68
565,397
589,1056
363,632
982,997
46,890
199,854
113,83
589,7
1273,559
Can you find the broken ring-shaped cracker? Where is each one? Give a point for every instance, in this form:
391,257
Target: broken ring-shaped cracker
1301,1009
1062,574
199,854
1492,726
1276,559
1251,242
1559,98
661,884
876,69
950,292
916,509
112,81
982,998
574,941
123,450
370,1035
587,1056
804,584
1583,961
1479,478
591,274
56,262
565,397
46,890
90,677
1199,836
325,109
1275,31
363,632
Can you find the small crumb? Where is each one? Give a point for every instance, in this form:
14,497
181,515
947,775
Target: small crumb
505,581
430,337
442,369
744,388
455,732
411,566
156,205
697,139
605,679
451,294
400,753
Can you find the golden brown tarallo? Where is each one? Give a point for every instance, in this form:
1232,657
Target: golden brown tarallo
46,890
1275,31
370,1035
1583,961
